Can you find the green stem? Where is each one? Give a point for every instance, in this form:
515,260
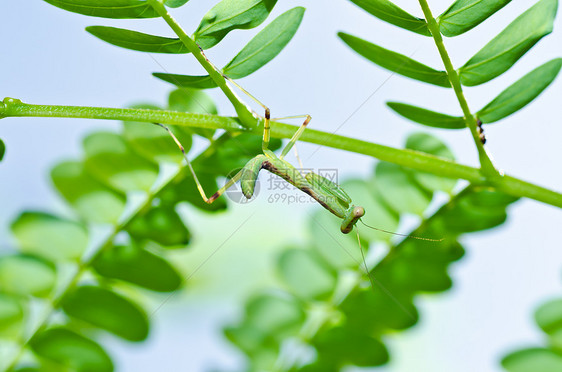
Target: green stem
245,115
11,107
412,159
488,168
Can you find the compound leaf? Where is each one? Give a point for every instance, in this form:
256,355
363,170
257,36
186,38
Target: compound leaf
107,310
305,273
533,360
138,266
195,101
92,200
427,117
479,210
71,350
431,145
398,189
229,15
48,236
175,3
110,160
153,142
512,43
549,316
521,93
187,81
107,8
268,43
11,315
138,41
396,62
389,12
191,100
26,275
464,15
162,225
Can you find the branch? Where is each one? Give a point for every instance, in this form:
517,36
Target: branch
488,168
408,158
245,115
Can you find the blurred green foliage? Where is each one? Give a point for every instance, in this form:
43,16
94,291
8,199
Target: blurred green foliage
341,295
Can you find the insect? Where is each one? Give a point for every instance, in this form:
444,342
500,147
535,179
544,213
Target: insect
327,193
480,130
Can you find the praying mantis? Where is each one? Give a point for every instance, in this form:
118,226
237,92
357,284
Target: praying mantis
327,193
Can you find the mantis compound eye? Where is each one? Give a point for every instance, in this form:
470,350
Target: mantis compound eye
358,212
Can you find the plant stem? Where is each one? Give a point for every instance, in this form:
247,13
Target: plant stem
488,168
408,158
246,117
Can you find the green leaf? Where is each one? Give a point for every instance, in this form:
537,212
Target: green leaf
396,62
107,310
154,142
521,93
342,345
187,81
2,149
389,12
549,316
48,236
71,350
137,40
191,100
26,275
175,3
137,266
267,44
464,15
229,15
92,200
111,161
195,101
431,145
11,315
107,8
268,319
427,117
512,43
533,360
305,274
479,210
162,225
399,190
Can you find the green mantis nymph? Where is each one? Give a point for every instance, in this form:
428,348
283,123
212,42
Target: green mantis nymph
327,193
330,195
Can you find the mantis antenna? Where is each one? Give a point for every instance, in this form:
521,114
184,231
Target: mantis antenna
404,235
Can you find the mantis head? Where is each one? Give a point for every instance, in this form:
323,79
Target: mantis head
352,216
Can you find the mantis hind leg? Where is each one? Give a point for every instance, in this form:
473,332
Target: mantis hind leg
221,191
